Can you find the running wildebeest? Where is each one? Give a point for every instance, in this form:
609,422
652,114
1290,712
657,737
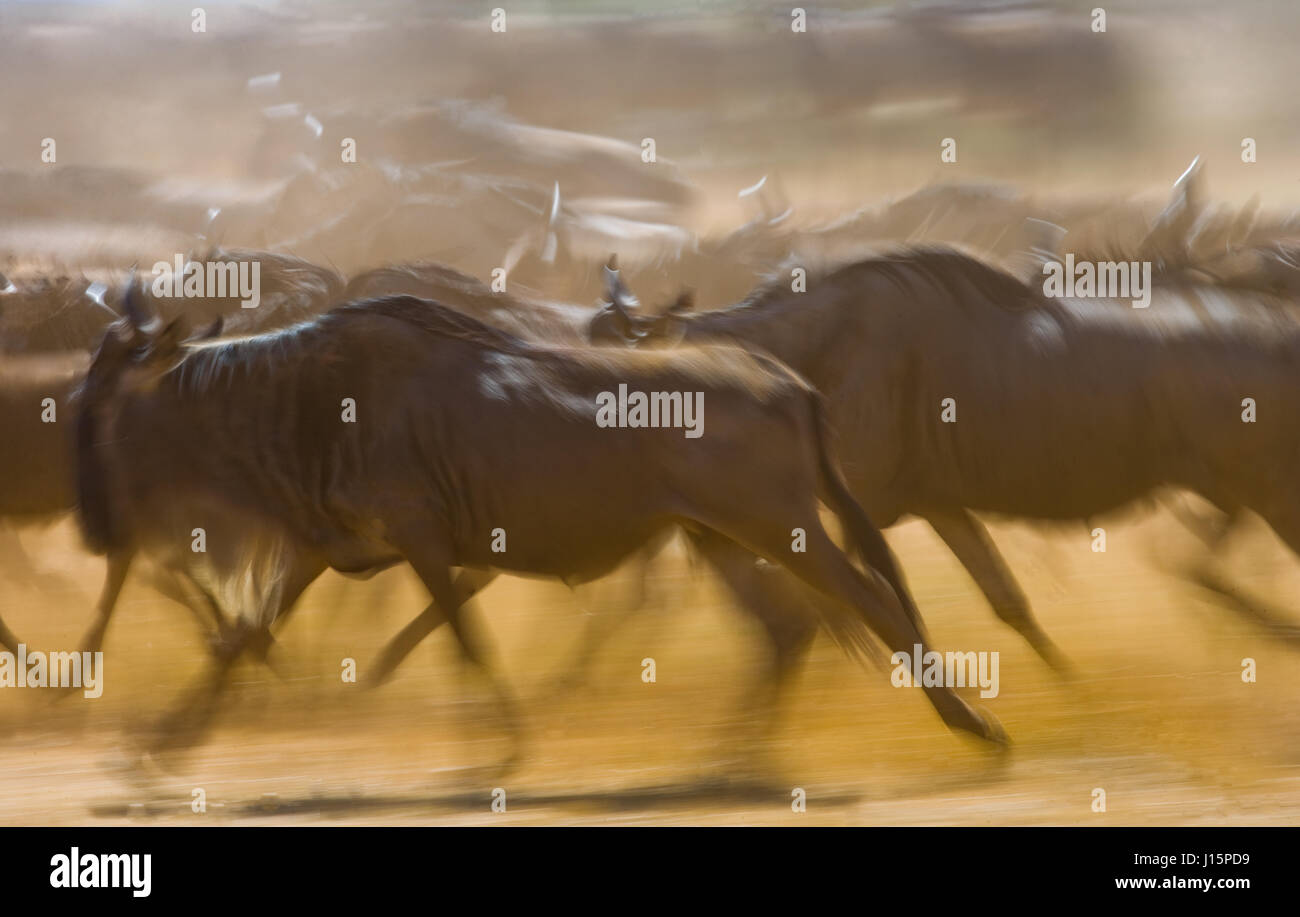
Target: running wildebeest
460,431
1063,409
37,464
789,622
36,450
62,315
42,314
510,312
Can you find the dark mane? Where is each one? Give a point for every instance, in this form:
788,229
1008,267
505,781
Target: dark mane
259,355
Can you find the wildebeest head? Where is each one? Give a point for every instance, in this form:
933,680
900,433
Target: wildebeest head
615,322
138,348
619,323
135,352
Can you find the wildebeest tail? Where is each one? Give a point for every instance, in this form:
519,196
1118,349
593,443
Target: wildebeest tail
862,533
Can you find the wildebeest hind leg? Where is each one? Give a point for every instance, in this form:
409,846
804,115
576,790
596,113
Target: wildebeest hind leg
967,538
1286,523
1207,568
773,598
827,570
770,596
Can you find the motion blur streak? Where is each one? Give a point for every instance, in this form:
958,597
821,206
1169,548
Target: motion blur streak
519,157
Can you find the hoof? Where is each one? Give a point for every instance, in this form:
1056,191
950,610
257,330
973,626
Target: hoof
369,683
989,729
1064,669
560,687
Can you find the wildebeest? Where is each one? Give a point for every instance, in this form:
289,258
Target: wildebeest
1060,409
43,314
783,613
50,323
36,450
513,312
290,290
463,434
38,460
38,466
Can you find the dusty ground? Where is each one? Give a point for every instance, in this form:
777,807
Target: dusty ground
1159,717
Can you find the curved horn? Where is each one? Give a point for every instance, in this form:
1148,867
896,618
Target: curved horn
615,290
95,293
133,307
1169,239
550,247
555,206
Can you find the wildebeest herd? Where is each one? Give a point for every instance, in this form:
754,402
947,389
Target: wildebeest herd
414,413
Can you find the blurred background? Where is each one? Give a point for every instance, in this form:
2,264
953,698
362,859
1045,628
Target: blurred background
168,140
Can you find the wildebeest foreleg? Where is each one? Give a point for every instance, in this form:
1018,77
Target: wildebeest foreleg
431,563
186,723
967,538
468,584
305,570
602,624
400,646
